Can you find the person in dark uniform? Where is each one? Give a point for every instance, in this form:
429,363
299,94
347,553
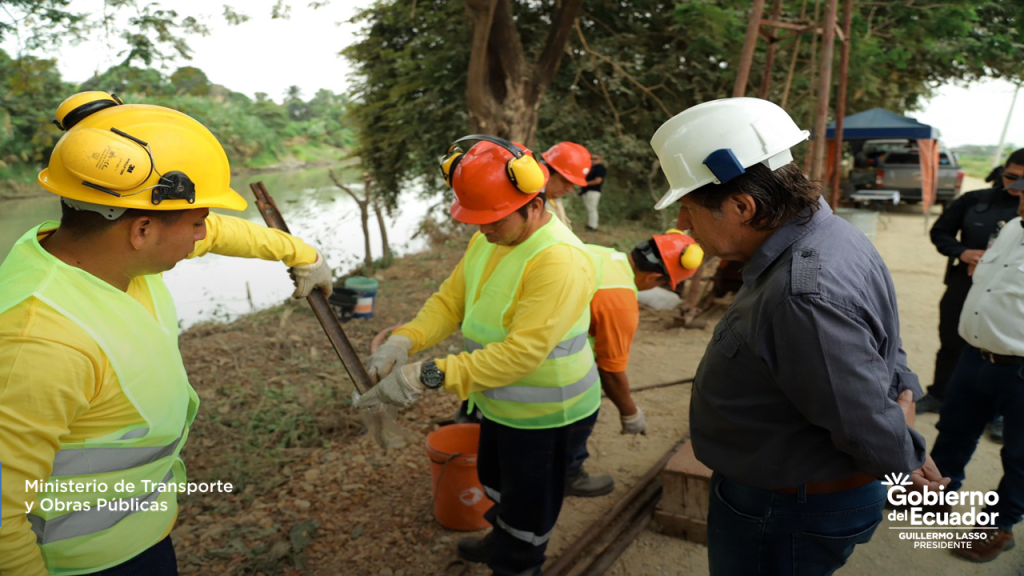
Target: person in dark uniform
975,216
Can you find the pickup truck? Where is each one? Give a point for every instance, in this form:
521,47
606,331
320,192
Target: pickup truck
900,171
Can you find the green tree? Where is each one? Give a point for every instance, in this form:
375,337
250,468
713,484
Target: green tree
190,80
30,91
629,66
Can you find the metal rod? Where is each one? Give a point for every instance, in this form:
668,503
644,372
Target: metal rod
566,559
824,89
614,531
844,69
317,300
747,55
625,539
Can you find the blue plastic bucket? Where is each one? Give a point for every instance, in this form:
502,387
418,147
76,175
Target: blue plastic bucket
366,291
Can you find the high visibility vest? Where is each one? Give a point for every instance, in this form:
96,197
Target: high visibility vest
613,269
564,389
82,537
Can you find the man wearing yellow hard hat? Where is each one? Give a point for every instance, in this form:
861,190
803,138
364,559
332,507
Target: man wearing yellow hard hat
94,392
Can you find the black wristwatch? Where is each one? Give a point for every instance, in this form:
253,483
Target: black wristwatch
431,376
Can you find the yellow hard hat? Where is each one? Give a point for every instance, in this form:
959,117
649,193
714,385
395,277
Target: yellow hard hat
137,156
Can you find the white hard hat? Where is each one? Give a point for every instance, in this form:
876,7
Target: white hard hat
715,141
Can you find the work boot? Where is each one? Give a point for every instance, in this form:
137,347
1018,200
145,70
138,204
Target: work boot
928,403
476,549
987,546
587,486
995,429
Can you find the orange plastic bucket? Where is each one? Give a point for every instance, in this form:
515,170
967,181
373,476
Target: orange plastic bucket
459,500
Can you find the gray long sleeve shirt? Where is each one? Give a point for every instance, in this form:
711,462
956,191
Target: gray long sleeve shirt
799,382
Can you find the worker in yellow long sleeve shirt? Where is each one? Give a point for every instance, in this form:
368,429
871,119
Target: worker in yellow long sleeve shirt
520,295
92,387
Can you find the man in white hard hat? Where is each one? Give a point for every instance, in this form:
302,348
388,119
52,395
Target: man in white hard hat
794,405
95,404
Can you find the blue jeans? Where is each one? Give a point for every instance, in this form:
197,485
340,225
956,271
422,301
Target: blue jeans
752,531
978,391
156,561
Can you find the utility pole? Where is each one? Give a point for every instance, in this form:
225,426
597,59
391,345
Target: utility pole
844,68
997,157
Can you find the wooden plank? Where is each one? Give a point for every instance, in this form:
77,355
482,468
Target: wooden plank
681,527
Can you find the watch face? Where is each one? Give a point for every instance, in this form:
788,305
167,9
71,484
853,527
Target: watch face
431,377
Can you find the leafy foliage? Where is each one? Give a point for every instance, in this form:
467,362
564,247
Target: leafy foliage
254,133
632,65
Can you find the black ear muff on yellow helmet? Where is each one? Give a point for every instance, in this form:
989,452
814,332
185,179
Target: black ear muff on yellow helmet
114,162
522,169
72,110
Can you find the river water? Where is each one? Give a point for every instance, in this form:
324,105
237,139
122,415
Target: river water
221,288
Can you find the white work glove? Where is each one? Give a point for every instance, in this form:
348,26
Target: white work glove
401,388
315,275
394,352
634,423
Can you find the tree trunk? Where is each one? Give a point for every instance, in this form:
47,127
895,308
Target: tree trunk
503,89
364,216
375,200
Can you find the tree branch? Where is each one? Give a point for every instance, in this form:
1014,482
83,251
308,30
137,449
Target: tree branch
346,189
561,29
620,70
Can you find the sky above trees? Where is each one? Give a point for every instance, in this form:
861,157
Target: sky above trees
268,55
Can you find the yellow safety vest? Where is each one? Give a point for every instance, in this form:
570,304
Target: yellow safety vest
78,536
613,269
564,389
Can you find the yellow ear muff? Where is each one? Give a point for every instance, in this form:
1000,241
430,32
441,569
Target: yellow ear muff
448,164
674,231
526,174
103,158
692,257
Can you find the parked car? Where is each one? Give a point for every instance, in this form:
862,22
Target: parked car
900,171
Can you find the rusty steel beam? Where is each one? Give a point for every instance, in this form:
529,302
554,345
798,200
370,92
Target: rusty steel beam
747,55
568,558
317,300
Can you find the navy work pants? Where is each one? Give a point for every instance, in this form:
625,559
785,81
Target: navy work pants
950,342
753,532
156,561
524,473
979,391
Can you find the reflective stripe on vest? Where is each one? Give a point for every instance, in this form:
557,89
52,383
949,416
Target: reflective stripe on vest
535,395
75,524
561,389
142,348
565,348
82,461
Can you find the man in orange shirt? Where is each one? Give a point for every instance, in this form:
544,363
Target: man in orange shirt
665,259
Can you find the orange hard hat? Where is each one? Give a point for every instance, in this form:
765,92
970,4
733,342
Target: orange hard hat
680,254
483,191
571,160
